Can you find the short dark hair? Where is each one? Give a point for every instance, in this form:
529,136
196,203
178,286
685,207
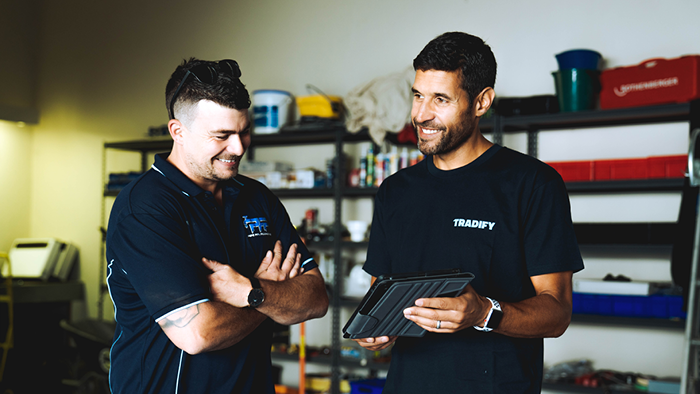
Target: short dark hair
226,90
460,51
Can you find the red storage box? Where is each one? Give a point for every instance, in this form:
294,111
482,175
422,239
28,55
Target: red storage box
620,169
654,81
667,166
574,171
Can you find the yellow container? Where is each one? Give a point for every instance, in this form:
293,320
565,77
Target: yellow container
322,383
319,106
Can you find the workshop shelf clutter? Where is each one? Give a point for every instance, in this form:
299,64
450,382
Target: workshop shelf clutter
360,164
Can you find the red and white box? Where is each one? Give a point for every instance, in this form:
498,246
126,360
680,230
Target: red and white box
654,81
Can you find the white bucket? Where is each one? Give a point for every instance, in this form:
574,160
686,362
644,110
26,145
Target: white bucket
270,110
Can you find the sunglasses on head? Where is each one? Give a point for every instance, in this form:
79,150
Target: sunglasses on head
207,74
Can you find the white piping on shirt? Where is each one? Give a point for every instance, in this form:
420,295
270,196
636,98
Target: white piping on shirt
307,261
109,289
181,308
179,369
156,168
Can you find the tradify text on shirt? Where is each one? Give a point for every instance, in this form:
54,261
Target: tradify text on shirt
474,223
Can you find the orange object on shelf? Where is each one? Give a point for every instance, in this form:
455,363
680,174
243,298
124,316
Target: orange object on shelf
280,389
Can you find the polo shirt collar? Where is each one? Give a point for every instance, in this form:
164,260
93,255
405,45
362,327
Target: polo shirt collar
185,184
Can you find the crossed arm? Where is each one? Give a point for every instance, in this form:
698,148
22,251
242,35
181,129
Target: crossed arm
547,314
290,298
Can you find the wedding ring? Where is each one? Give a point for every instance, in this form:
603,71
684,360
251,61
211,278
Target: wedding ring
438,325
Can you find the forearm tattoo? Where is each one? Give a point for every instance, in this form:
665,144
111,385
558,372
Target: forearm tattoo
183,317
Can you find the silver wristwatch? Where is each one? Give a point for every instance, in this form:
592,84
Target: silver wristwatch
493,319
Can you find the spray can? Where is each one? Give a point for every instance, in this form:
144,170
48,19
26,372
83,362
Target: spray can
370,168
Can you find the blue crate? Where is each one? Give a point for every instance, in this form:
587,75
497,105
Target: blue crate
605,305
367,386
577,303
675,308
656,306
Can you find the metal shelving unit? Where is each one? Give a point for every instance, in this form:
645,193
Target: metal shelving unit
599,233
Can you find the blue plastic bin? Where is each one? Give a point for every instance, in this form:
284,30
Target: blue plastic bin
579,58
367,386
631,306
656,306
659,306
675,308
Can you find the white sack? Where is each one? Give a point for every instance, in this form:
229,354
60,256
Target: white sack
381,105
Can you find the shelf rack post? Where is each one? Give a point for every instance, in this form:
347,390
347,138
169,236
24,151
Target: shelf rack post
497,130
690,377
337,261
532,142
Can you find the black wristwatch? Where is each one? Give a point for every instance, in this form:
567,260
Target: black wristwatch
493,319
256,295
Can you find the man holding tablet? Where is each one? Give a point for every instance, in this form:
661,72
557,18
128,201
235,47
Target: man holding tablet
481,208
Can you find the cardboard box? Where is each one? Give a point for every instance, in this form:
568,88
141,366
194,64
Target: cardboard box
654,81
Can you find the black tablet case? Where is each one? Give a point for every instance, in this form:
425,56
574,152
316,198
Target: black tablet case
380,312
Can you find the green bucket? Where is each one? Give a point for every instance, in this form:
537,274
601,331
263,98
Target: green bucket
577,89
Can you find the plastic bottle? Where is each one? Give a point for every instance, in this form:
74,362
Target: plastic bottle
393,160
403,159
379,170
363,169
414,157
370,168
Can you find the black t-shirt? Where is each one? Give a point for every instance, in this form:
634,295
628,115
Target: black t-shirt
504,217
160,227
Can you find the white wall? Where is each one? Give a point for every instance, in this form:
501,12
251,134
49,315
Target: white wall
103,69
15,144
18,46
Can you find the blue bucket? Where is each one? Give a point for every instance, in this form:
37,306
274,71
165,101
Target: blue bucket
579,58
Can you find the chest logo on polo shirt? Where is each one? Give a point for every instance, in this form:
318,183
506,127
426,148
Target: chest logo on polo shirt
474,223
256,227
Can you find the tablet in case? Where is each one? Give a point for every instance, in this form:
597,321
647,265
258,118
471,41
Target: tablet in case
380,312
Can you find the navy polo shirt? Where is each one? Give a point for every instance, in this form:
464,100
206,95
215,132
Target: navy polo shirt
160,227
